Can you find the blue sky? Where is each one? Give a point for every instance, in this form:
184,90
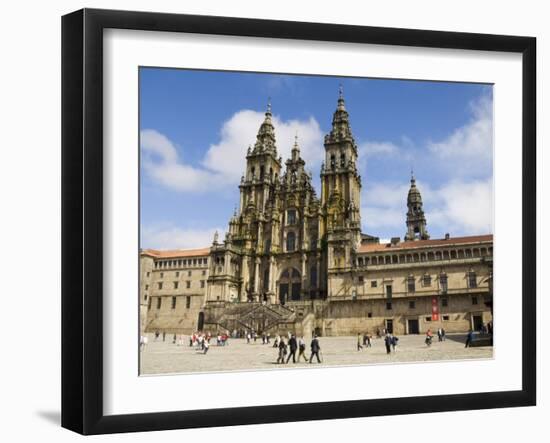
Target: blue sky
196,126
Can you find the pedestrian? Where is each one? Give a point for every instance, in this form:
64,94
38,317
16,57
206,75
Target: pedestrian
293,347
429,337
302,349
359,347
248,337
443,334
439,335
378,332
157,333
143,342
206,346
365,339
174,340
282,351
268,337
394,341
388,342
315,348
276,341
469,338
163,335
369,341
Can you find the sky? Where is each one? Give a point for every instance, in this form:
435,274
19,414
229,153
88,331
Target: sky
195,128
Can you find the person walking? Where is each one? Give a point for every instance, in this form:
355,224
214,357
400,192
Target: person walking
388,342
315,348
394,341
359,347
282,351
469,338
369,341
302,349
206,346
439,335
442,334
293,347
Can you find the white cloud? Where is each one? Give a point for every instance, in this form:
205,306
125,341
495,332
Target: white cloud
163,165
239,132
224,162
172,237
458,207
372,148
468,150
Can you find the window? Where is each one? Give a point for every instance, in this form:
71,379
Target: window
160,284
148,274
202,283
291,217
188,284
412,304
427,280
443,283
204,272
445,318
388,306
162,275
290,241
444,302
373,284
177,273
159,302
428,319
472,281
146,287
332,161
389,292
175,285
173,302
474,300
369,315
187,302
313,276
410,283
361,279
189,274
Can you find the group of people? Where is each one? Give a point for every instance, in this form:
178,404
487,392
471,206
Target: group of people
366,340
296,345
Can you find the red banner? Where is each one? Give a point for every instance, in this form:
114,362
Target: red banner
435,309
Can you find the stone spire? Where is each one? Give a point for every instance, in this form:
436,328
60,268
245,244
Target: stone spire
341,129
265,140
416,221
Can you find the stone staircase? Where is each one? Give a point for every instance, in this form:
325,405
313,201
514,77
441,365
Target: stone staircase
249,316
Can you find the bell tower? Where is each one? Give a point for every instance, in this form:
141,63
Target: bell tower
340,181
416,221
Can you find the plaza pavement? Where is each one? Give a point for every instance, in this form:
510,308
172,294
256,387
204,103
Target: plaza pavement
165,357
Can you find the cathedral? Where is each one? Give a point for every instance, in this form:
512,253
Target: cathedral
294,260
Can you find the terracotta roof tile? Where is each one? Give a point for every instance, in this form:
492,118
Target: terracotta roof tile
385,247
176,253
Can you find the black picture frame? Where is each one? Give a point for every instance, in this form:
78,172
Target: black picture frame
82,218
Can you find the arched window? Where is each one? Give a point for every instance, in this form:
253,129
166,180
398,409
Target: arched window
290,241
262,171
332,161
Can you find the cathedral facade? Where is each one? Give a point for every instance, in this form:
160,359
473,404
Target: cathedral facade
293,260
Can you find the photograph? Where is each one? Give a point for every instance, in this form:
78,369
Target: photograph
298,221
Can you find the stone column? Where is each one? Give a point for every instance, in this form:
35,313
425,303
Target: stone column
256,279
304,273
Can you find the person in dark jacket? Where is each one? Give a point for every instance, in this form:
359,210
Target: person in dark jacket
282,351
469,338
315,348
293,347
388,342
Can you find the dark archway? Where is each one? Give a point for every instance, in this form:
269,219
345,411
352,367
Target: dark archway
200,322
290,285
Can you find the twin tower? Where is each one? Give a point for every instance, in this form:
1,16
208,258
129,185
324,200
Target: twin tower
284,243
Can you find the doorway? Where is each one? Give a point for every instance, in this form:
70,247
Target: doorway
389,326
413,327
477,320
200,323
